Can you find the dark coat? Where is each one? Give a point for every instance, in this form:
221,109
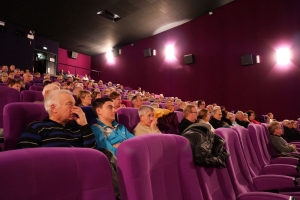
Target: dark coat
216,123
208,148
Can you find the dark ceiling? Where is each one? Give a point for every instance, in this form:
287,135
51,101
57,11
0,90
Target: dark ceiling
77,27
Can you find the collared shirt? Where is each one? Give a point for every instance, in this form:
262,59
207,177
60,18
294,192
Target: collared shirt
142,130
107,136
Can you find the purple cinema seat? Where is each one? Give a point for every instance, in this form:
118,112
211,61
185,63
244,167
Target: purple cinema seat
127,103
55,173
8,95
129,117
240,175
180,116
17,116
36,88
157,166
146,103
3,84
90,116
31,96
162,105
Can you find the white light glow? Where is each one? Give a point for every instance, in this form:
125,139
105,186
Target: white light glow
283,56
170,51
45,48
109,56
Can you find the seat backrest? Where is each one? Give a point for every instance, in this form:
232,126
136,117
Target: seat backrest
180,116
90,116
236,163
127,103
8,95
31,96
3,84
17,116
254,130
36,88
157,166
162,105
271,150
248,150
146,103
55,173
129,117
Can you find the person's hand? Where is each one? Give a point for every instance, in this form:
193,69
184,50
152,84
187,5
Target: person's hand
80,118
153,124
116,145
122,106
293,146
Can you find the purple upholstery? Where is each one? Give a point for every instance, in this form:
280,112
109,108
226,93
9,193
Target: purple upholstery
36,88
8,95
129,117
127,103
162,105
90,116
3,84
31,96
146,103
157,166
16,118
180,116
55,173
259,196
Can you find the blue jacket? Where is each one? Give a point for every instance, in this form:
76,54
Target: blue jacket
111,135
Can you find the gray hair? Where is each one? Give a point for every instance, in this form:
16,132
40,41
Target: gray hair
50,87
239,113
54,98
144,109
215,110
285,122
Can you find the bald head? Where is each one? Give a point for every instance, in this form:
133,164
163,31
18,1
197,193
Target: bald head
49,88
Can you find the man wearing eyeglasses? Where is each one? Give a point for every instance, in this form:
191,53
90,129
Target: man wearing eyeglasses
190,117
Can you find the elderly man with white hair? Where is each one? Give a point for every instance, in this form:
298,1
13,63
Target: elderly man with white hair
66,126
239,118
216,116
148,122
47,89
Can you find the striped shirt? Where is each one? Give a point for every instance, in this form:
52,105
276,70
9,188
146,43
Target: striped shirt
48,133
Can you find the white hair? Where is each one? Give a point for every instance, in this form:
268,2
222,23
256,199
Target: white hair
154,105
215,110
54,98
144,109
50,87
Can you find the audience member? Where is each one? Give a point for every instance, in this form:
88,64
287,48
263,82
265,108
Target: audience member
4,77
4,69
116,98
190,117
215,120
290,134
48,89
279,144
204,117
84,98
96,95
170,105
77,90
225,118
201,104
14,84
267,119
148,123
209,108
12,68
154,105
137,101
181,106
232,119
109,134
11,75
271,117
239,118
251,117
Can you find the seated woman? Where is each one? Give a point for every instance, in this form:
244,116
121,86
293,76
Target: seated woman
117,100
251,117
225,118
279,144
148,122
96,95
204,117
84,98
4,77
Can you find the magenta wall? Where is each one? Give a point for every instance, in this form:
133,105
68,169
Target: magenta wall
241,27
82,61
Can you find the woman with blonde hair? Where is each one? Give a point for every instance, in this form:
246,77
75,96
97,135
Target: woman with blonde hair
204,117
84,98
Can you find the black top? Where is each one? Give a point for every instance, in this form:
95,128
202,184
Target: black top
184,124
242,123
216,123
291,134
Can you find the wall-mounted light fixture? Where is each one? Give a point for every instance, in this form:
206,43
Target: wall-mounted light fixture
283,56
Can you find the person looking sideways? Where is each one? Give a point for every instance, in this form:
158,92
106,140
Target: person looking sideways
84,98
117,100
148,123
190,117
215,120
109,134
14,84
251,117
204,117
137,101
239,118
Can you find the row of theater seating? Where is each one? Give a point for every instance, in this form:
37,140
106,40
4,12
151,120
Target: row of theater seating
151,167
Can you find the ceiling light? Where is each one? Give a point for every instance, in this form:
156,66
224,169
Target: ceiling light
109,15
283,56
170,51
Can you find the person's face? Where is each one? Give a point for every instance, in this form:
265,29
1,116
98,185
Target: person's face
17,87
251,117
139,101
271,116
240,116
245,118
98,96
117,102
193,115
12,67
4,68
76,91
267,119
202,105
218,114
207,117
289,124
63,112
210,109
278,131
87,100
4,78
147,118
294,125
27,71
107,112
11,75
17,73
231,118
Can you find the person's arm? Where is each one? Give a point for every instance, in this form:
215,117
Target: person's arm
102,142
127,133
29,138
281,145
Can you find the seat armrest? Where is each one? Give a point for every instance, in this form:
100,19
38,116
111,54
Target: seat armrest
281,169
263,196
273,182
285,160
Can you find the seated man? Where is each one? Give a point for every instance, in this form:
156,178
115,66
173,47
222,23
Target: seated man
190,117
66,126
290,134
148,122
109,134
239,118
279,144
137,101
46,91
215,120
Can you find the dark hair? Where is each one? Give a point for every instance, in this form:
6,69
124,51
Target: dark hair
98,103
47,82
12,82
199,102
249,112
114,95
133,100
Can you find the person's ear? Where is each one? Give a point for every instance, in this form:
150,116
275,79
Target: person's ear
53,108
98,111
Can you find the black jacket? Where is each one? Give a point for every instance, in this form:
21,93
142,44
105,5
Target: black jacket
242,123
291,134
208,148
216,123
